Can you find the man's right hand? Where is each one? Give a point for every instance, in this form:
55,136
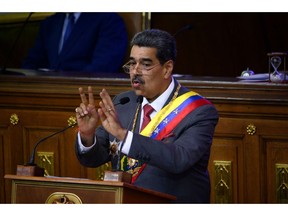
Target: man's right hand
87,117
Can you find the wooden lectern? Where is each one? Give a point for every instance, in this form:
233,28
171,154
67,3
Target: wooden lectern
31,189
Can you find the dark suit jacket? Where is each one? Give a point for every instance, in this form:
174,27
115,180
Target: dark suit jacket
176,165
98,43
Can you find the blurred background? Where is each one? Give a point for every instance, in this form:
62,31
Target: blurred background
209,44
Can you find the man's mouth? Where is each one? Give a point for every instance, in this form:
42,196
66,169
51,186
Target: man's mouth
137,81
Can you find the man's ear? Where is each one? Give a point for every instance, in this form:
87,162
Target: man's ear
168,66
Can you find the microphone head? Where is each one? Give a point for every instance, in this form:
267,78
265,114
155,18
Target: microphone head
124,100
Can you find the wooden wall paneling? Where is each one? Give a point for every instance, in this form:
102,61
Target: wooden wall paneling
276,157
274,140
39,124
252,172
228,145
44,103
2,163
226,149
12,148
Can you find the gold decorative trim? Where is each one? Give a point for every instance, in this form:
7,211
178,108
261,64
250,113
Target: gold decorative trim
46,161
72,120
14,119
63,198
281,183
223,181
251,129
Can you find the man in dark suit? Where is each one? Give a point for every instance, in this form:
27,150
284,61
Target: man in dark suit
171,153
97,43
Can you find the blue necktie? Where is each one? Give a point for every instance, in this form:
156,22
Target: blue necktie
71,22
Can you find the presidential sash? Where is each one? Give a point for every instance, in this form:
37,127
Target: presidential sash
164,122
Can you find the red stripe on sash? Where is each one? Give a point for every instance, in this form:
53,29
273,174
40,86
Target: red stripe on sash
171,125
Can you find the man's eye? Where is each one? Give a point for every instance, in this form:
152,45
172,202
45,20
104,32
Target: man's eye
132,64
146,65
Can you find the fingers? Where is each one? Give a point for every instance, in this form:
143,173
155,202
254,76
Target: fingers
107,109
77,113
82,95
88,104
102,115
81,110
107,116
106,101
90,96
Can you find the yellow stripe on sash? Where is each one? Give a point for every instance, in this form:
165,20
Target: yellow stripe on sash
163,113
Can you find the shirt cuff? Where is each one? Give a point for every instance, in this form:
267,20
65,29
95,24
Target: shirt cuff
127,144
84,149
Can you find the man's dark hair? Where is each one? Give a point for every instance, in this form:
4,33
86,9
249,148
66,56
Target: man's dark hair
161,40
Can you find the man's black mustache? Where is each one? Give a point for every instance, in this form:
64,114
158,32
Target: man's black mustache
138,79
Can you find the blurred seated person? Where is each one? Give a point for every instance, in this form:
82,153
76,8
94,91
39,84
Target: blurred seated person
97,43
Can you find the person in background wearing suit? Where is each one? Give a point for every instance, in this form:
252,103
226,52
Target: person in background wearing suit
171,153
91,42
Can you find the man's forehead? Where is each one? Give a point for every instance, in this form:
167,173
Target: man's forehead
143,53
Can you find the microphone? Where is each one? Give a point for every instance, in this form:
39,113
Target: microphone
32,158
184,28
31,169
123,101
3,69
139,101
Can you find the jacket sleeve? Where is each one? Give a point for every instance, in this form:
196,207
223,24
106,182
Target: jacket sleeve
98,154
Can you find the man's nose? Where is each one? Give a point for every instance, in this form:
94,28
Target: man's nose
137,69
